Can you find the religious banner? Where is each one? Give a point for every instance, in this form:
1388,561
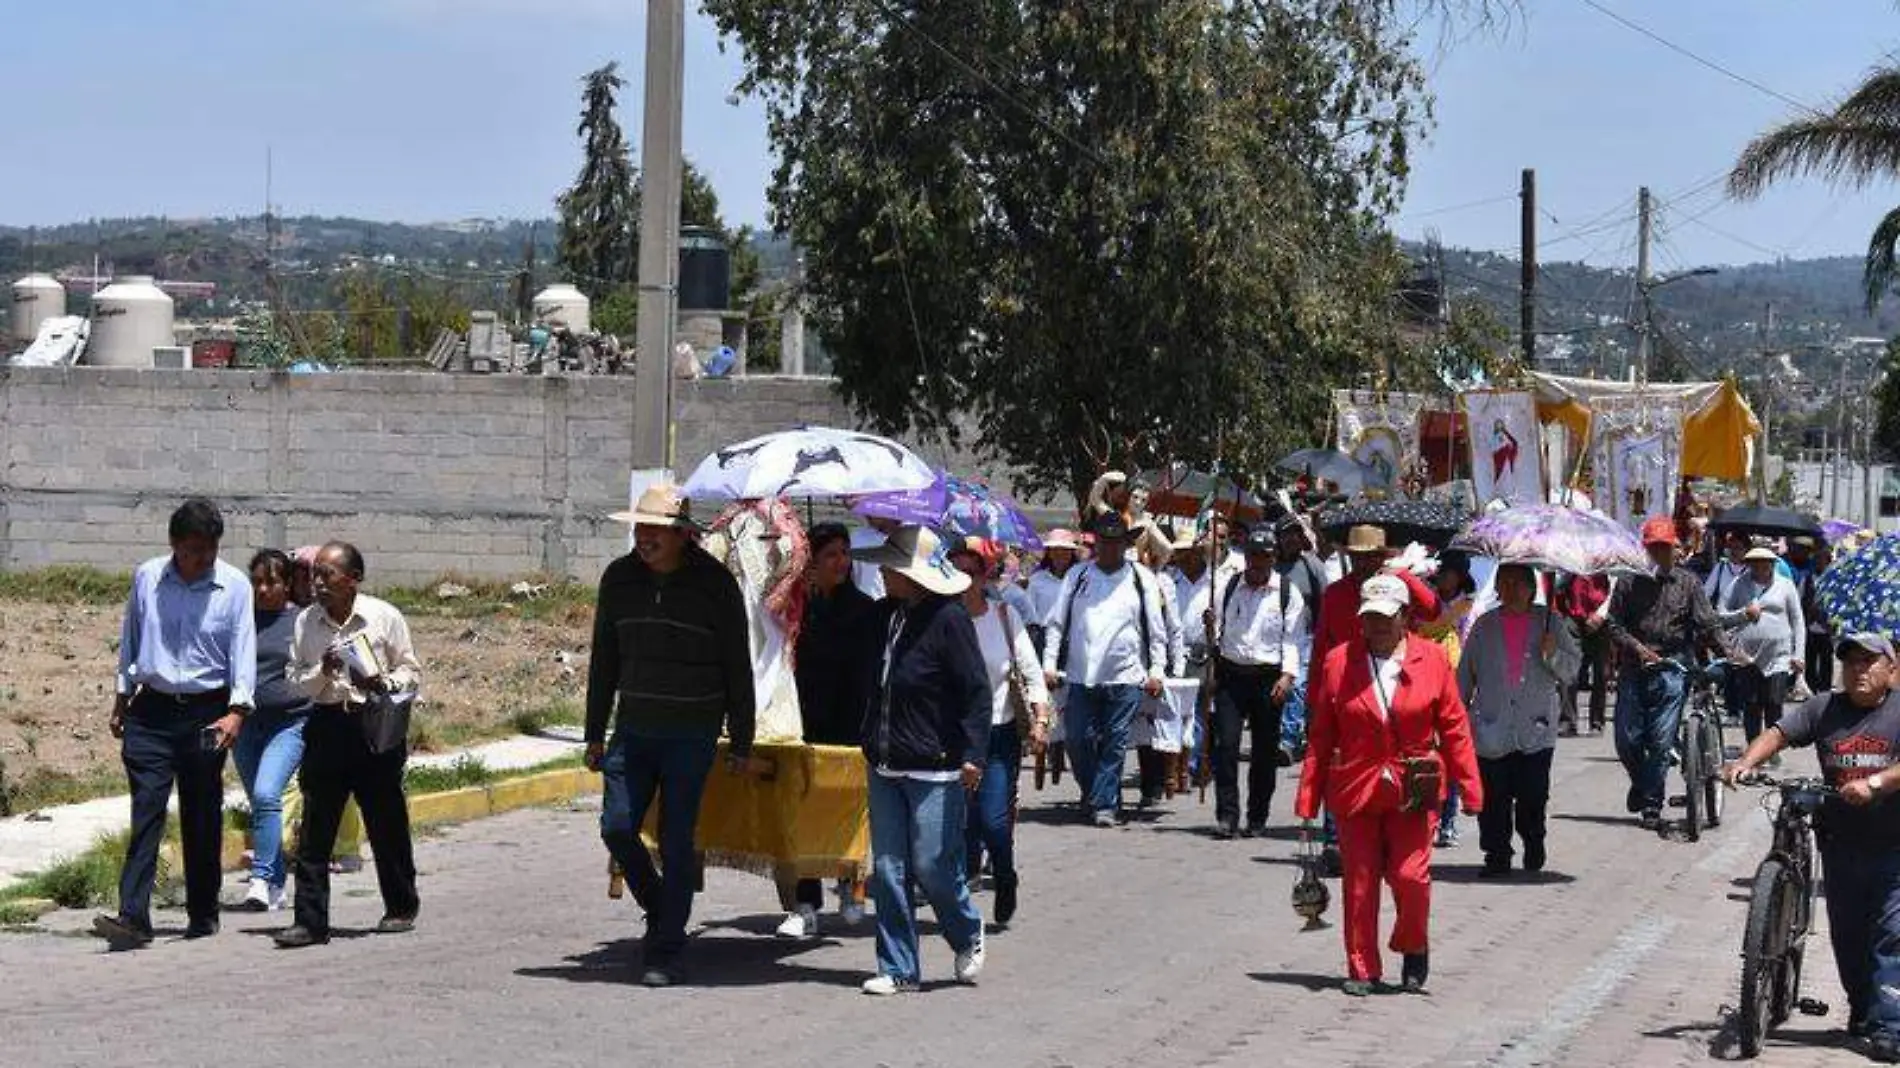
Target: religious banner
1380,430
1637,456
1506,462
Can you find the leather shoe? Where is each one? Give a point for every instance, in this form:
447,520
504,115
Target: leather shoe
121,933
1359,988
298,936
1496,867
201,928
1227,831
1534,858
1418,968
396,925
1005,904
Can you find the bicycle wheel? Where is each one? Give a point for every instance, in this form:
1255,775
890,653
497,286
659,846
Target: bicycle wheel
1692,763
1714,752
1764,940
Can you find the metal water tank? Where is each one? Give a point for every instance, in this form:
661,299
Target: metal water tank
130,318
566,305
705,270
36,298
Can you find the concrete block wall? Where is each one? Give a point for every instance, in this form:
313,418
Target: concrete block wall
428,473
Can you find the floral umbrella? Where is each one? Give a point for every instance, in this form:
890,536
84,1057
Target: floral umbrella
1861,592
1557,538
959,506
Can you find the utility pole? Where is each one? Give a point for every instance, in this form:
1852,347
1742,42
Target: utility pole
1643,222
660,164
1527,290
1840,444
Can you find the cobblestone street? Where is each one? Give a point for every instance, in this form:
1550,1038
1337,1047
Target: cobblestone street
1148,945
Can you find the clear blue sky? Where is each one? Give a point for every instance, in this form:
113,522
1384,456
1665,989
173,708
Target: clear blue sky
441,109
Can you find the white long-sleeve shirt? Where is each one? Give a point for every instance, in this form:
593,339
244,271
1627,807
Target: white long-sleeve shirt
1045,589
993,638
1257,632
1177,628
1101,615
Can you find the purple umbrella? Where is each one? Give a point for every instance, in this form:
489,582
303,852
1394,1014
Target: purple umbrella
958,506
1838,530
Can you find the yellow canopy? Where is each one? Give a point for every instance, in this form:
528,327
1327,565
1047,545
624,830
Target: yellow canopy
1715,437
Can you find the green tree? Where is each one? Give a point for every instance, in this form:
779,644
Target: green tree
600,211
1854,144
1887,405
1106,233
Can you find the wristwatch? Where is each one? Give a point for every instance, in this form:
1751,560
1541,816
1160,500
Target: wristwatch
1873,782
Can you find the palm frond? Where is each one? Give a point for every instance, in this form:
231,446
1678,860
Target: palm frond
1855,144
1883,259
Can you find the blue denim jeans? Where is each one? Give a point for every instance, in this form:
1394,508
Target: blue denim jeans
988,826
1863,919
1648,710
267,753
634,770
1095,726
917,839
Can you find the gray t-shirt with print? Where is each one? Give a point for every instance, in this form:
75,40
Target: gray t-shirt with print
1852,743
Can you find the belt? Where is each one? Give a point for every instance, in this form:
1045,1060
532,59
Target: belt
220,696
1228,667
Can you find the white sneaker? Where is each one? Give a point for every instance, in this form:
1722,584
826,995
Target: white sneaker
258,897
800,924
970,962
277,899
883,986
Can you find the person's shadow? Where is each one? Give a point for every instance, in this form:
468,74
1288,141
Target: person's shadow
710,962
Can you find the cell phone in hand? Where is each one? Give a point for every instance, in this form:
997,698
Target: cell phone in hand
208,739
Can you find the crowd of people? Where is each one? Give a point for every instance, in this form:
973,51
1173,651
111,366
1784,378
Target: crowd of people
1411,686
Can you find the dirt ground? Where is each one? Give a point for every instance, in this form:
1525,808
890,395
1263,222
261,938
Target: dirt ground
482,676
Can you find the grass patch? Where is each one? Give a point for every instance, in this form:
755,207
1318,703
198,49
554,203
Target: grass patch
67,585
556,600
44,788
465,772
88,880
563,711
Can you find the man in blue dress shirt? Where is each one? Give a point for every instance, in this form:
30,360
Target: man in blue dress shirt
187,669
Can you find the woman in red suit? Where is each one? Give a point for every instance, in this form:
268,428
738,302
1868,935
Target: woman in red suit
1381,698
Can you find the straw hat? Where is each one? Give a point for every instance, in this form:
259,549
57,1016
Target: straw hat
1365,539
1061,538
660,505
919,555
1759,552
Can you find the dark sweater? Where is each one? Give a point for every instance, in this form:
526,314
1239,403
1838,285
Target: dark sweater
671,652
276,695
831,645
935,713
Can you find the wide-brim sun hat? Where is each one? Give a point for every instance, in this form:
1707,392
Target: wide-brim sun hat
660,505
1061,538
918,554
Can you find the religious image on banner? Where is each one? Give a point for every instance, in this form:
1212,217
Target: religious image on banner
1636,477
1506,462
1380,430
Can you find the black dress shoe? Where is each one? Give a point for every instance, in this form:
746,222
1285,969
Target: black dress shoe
122,933
1418,968
1227,831
396,925
1496,867
1005,898
1256,828
201,928
299,936
1534,858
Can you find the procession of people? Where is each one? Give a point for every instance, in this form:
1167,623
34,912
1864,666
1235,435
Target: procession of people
1417,676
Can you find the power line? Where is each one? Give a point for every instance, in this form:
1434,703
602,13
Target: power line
1741,79
1459,207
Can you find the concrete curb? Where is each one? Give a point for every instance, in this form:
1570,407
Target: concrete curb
533,790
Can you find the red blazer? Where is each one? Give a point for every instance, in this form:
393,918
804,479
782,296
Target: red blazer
1349,746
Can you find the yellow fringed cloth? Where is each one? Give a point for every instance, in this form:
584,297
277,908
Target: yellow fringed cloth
804,819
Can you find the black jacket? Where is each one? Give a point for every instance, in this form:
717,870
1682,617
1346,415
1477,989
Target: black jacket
831,648
934,713
675,650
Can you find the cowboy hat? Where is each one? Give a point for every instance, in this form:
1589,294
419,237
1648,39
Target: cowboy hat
919,555
660,505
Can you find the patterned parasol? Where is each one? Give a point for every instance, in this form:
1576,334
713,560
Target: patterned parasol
962,507
1424,522
1840,530
810,461
1556,538
1861,592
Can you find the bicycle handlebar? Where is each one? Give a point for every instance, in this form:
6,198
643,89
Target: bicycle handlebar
1767,781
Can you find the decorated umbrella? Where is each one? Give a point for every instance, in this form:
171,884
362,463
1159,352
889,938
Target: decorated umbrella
1557,538
1180,490
1403,521
1767,521
1839,530
1330,465
960,506
810,461
1861,592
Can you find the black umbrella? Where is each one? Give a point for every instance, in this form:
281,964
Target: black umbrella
1767,521
1425,522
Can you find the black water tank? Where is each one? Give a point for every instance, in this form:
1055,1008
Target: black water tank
705,270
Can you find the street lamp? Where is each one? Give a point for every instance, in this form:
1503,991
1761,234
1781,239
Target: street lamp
1644,288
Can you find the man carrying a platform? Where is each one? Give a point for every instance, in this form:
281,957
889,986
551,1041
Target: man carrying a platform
672,664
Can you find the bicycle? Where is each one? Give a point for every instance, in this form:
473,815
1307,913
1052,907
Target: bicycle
1702,753
1780,912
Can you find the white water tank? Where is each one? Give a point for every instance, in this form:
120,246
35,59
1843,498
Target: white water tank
565,305
130,318
36,298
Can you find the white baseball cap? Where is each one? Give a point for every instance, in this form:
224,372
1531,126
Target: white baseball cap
1385,595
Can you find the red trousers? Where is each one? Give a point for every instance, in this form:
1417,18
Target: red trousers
1395,847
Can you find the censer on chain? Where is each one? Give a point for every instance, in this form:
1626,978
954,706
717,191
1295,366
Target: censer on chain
1310,896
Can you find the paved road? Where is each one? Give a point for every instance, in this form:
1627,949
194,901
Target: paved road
1143,946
